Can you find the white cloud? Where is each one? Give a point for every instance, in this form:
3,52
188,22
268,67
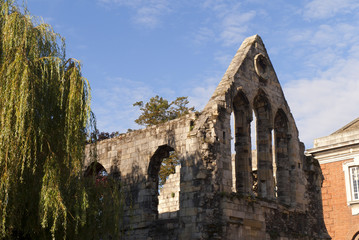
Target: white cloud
326,103
327,99
132,3
235,26
148,12
299,35
113,103
203,35
230,23
200,95
322,46
324,35
321,9
337,35
223,58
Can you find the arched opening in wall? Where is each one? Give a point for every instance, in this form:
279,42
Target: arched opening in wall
233,153
96,170
281,152
164,180
262,110
274,162
254,153
356,236
242,160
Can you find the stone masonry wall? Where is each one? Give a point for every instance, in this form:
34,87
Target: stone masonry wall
135,157
211,204
168,199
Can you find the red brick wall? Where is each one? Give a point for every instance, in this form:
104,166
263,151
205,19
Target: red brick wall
340,222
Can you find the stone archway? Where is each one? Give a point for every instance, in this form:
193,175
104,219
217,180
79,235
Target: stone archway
153,175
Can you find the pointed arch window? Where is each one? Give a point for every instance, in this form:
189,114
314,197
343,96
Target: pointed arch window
242,144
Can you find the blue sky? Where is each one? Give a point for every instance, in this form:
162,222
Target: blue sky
132,50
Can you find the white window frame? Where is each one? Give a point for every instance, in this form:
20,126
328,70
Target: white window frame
354,188
349,180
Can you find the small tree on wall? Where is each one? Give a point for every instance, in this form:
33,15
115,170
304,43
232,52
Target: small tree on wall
168,167
159,110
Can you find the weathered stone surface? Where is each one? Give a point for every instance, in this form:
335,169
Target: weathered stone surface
275,197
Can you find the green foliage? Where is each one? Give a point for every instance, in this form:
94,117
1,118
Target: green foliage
103,219
168,166
159,110
45,120
98,136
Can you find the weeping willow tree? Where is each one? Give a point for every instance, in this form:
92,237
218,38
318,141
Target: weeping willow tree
45,120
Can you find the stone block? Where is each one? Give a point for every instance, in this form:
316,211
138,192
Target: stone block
253,224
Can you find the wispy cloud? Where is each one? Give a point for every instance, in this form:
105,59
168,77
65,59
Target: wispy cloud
322,46
319,9
113,103
230,22
324,100
338,35
325,103
235,26
203,35
147,12
200,95
223,58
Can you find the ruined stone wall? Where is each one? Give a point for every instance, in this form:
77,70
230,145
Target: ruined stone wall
219,199
136,158
243,87
250,84
168,199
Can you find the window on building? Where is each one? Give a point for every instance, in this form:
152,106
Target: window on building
351,175
354,180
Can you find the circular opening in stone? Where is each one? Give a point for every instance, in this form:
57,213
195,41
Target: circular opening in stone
261,65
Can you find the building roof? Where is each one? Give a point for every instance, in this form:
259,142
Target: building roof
353,125
345,138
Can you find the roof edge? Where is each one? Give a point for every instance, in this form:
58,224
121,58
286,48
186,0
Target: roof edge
346,126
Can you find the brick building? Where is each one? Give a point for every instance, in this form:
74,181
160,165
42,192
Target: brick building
338,155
